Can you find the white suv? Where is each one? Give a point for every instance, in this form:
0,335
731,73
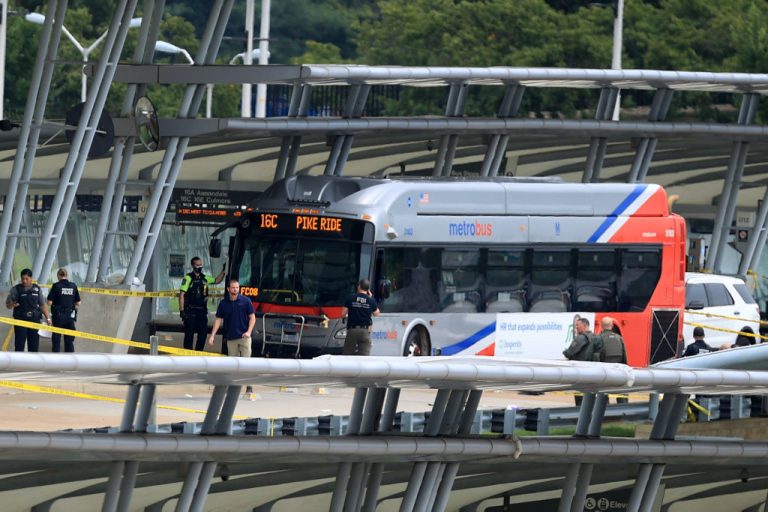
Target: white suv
727,297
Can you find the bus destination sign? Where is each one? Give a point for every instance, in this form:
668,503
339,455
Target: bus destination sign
308,225
301,222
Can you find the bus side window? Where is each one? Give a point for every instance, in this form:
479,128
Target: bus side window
460,287
413,281
640,272
550,289
505,281
595,288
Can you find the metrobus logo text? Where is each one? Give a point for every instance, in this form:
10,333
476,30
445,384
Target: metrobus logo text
470,229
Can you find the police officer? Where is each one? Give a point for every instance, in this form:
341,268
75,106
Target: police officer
64,300
359,309
193,303
699,346
581,347
613,350
28,303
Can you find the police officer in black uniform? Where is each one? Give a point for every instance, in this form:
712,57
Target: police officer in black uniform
64,300
359,309
699,346
193,303
28,303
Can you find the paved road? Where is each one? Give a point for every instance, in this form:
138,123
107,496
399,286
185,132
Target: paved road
28,410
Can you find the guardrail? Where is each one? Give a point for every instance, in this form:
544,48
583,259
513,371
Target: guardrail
497,421
494,421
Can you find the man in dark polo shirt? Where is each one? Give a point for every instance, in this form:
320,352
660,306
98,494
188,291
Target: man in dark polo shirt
359,309
236,312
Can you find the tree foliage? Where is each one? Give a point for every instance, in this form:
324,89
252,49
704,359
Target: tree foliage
703,35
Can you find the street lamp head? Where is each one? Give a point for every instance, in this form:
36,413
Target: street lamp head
164,47
35,17
255,54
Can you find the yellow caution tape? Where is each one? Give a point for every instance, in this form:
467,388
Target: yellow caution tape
128,293
106,339
88,396
722,329
7,340
715,315
132,293
694,405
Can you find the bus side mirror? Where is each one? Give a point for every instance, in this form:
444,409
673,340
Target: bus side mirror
385,288
696,304
214,248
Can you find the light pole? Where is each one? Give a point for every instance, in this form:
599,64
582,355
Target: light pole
245,110
39,19
261,89
618,34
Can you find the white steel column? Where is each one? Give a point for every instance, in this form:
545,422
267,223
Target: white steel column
114,191
177,146
18,185
82,139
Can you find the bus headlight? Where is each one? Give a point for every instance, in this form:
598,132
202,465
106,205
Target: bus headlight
341,334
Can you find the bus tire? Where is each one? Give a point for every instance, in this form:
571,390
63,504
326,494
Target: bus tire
419,340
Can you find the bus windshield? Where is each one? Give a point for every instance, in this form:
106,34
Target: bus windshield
303,271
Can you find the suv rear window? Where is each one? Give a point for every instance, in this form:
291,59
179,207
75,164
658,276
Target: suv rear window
694,294
718,294
745,294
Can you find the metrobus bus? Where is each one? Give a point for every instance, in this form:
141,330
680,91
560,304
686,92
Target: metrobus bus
460,266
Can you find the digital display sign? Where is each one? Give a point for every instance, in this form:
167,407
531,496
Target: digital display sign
194,205
309,225
301,222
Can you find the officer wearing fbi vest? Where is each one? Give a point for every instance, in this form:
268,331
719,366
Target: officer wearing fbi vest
28,303
193,303
359,309
64,300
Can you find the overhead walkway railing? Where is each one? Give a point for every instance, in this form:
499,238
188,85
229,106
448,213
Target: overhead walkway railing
362,454
276,127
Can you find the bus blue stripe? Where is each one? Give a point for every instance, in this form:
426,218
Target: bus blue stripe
618,211
462,345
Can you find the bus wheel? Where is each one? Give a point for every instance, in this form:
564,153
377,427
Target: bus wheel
417,343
